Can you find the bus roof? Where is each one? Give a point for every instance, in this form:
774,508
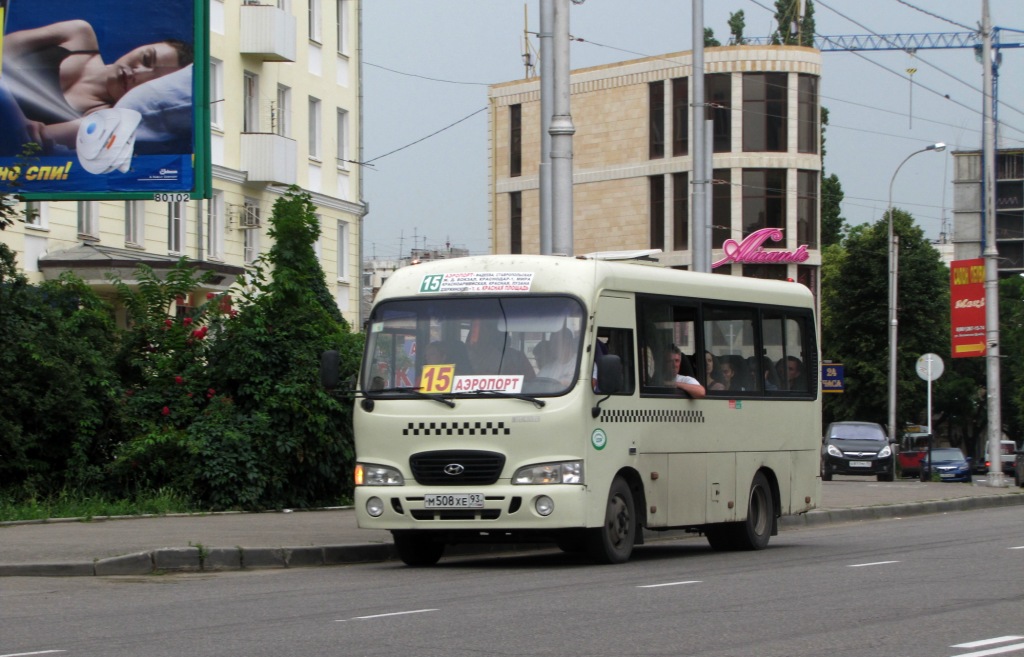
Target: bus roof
504,275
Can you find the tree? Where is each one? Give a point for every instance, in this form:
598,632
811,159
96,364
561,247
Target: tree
855,319
709,38
792,30
267,361
736,25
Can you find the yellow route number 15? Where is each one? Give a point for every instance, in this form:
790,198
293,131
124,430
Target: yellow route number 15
437,378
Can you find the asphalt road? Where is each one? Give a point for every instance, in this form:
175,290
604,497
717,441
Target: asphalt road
944,584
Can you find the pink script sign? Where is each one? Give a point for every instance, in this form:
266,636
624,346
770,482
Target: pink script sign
750,250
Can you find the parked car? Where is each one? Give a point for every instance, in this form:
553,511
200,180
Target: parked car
948,463
1006,450
913,447
856,448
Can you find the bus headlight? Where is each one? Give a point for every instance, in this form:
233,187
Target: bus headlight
566,472
367,474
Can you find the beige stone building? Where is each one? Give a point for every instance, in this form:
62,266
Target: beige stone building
633,160
285,109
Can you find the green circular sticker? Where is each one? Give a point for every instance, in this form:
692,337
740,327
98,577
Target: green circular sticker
599,439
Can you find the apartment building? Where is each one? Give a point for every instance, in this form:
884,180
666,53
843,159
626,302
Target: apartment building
969,224
633,164
284,87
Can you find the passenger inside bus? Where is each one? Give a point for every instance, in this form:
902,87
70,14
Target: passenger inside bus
734,373
490,353
712,372
791,373
684,382
448,352
762,369
557,357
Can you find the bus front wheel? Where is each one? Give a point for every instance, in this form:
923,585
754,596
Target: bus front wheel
613,541
417,548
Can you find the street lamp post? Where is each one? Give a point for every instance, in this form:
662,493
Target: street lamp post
892,295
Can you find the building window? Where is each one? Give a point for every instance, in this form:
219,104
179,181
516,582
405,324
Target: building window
680,212
250,102
283,111
251,241
314,128
342,33
807,208
216,93
764,112
134,222
88,220
176,227
721,207
657,187
315,21
656,123
807,114
718,96
215,226
343,245
680,117
515,215
764,200
34,214
515,140
343,156
770,272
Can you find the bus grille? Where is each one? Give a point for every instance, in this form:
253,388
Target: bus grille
457,468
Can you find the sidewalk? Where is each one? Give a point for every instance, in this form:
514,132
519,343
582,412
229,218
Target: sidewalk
234,541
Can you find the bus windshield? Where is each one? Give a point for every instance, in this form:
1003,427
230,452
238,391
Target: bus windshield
465,346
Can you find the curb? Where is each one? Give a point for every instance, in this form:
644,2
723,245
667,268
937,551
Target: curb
202,559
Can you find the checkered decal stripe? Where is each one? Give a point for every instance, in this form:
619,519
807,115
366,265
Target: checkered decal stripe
456,429
652,416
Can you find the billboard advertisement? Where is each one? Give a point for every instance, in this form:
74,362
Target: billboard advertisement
98,99
967,307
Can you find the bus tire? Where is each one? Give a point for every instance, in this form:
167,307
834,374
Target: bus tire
417,548
613,541
752,533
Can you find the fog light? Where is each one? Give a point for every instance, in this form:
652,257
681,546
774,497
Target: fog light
544,505
375,507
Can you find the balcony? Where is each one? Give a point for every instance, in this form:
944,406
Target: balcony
267,32
269,158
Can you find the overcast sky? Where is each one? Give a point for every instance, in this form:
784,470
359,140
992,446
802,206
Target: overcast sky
428,64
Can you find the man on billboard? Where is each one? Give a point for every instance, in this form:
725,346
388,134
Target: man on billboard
121,121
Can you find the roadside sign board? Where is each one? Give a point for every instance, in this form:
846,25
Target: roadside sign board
967,307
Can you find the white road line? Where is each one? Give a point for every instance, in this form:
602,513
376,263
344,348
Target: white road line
39,652
1019,547
873,563
987,642
397,613
654,586
993,651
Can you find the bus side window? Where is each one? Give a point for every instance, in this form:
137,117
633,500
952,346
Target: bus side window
616,342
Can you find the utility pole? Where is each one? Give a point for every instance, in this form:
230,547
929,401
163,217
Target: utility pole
991,254
701,254
561,131
547,92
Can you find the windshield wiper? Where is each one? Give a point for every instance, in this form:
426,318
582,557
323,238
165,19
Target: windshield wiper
416,393
540,403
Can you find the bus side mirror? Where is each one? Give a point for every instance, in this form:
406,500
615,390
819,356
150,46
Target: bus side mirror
329,365
609,374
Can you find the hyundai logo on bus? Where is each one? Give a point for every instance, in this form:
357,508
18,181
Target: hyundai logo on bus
454,469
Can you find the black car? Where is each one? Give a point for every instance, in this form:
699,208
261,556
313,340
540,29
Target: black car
1018,468
856,448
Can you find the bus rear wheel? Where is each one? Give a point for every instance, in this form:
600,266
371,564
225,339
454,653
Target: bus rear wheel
752,533
417,548
613,541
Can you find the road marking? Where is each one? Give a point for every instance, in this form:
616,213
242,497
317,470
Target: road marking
873,563
39,652
396,613
654,586
988,642
1019,547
